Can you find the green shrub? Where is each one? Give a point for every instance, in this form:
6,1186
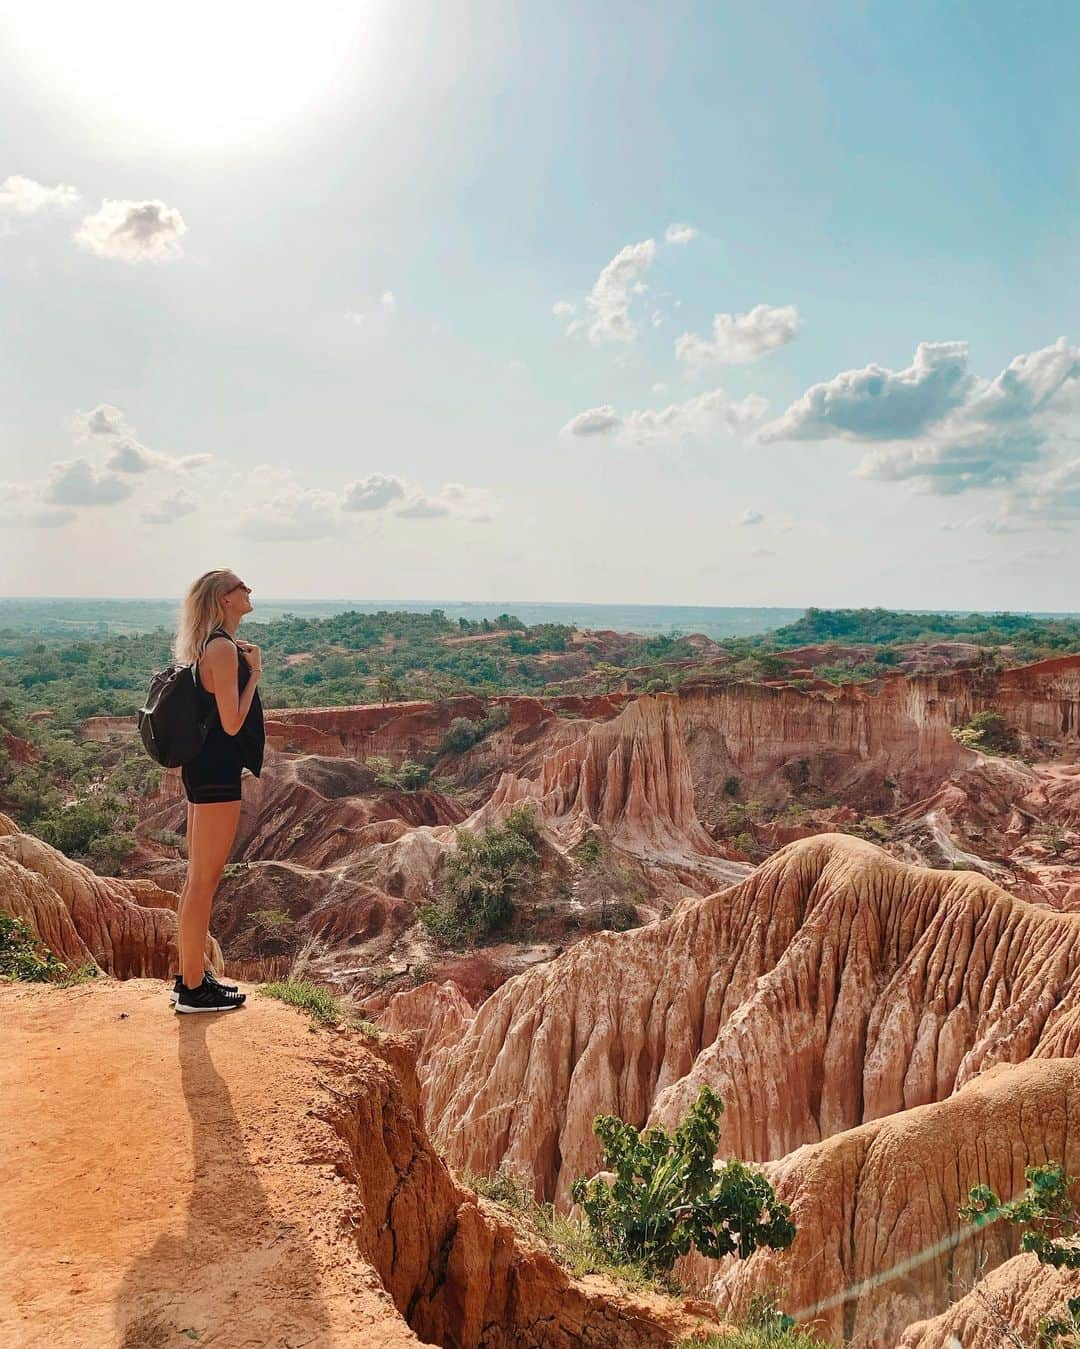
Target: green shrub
482,874
168,838
668,1196
22,956
107,851
989,733
732,785
409,777
73,828
1052,1234
569,1240
590,850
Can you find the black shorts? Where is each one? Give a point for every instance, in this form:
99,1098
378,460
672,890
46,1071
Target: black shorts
214,774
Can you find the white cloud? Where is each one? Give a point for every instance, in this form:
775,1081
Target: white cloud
680,234
387,302
750,517
176,504
104,420
594,422
708,413
945,431
76,482
609,299
958,458
453,491
128,456
879,404
423,508
372,493
24,508
23,196
562,309
740,338
126,453
293,515
1052,496
1027,384
133,231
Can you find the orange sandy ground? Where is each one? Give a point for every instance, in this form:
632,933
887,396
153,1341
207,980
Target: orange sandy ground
160,1174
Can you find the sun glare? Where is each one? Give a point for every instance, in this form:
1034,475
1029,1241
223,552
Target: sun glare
197,73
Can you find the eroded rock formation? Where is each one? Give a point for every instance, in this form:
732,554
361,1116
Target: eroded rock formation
885,1036
833,986
127,927
456,1270
880,1244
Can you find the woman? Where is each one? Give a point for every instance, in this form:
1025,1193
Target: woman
227,671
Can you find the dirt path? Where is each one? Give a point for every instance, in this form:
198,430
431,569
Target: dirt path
162,1180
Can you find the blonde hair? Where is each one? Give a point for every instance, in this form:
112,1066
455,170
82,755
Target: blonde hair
201,612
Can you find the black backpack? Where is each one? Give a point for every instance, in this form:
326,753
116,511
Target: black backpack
176,716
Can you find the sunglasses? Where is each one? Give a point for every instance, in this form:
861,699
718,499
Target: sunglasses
239,586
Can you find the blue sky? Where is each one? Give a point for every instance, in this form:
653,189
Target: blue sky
287,303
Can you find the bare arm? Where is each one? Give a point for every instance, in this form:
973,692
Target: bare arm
219,669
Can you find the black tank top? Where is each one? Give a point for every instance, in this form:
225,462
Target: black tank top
250,739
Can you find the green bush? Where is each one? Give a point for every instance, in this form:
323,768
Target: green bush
1052,1234
590,850
482,874
107,851
732,785
409,777
73,828
668,1196
22,956
988,732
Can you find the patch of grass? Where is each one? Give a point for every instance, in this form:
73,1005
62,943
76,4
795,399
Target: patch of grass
323,1008
758,1337
764,1326
274,920
568,1240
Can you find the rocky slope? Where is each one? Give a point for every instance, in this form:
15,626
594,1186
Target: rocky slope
348,861
833,998
125,927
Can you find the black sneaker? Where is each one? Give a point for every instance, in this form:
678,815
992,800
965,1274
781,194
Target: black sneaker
207,997
208,974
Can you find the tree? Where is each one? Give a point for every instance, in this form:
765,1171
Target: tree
1053,1231
389,688
668,1195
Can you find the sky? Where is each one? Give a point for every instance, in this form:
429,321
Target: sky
736,304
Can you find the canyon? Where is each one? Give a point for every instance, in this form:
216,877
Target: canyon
862,932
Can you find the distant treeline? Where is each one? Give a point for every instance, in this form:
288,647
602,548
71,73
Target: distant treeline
1033,636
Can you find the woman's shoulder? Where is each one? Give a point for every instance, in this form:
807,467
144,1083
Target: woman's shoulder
217,644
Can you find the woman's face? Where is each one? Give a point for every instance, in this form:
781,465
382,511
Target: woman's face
236,600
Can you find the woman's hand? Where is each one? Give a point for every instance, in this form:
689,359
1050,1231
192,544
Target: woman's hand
253,656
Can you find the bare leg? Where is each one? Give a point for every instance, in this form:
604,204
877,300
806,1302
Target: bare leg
213,831
183,892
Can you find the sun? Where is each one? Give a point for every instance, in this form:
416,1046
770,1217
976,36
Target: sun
198,72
